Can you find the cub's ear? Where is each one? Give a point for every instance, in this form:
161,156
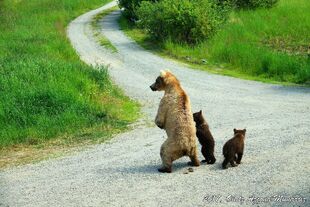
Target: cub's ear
200,112
235,130
244,130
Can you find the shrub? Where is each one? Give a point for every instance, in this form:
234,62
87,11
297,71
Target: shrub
130,7
181,20
251,4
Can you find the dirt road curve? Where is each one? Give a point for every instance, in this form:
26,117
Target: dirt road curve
123,172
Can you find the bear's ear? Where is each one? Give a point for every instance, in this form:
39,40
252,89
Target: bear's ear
235,130
244,130
162,73
200,112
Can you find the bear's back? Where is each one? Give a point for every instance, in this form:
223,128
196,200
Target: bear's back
179,119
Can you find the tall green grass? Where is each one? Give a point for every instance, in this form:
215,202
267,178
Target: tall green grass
272,43
265,44
45,90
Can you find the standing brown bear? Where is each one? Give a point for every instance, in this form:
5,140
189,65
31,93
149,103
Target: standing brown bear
205,138
175,116
233,149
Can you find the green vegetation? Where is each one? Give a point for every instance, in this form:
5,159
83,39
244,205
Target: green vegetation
251,4
46,92
96,26
130,7
270,43
264,44
181,20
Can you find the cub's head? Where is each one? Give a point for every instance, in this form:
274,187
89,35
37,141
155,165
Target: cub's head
239,131
198,118
166,79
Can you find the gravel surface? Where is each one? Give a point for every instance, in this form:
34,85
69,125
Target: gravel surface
123,172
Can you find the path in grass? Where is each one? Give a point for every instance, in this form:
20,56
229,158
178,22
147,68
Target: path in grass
123,172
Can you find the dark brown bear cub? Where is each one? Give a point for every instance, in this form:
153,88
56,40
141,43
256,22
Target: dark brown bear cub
233,149
205,138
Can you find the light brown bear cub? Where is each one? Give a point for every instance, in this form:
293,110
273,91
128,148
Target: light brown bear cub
233,149
175,116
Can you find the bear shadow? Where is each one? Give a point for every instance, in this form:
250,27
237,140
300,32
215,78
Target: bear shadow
148,168
140,169
217,166
204,165
152,168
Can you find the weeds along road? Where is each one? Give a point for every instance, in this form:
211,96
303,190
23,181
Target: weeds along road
123,172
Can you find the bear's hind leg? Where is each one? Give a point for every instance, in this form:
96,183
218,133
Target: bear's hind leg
232,162
166,161
210,158
166,165
204,153
224,164
239,158
194,161
165,169
194,157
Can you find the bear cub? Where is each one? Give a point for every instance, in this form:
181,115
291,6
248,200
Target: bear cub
205,138
233,148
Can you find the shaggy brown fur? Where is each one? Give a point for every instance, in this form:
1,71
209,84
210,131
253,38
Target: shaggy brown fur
205,138
175,116
233,149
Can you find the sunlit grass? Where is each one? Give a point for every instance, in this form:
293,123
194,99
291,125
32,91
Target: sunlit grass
270,45
46,92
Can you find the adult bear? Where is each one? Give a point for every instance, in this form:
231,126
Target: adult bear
175,116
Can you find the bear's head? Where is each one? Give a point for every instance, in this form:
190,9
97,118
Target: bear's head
164,81
198,118
239,131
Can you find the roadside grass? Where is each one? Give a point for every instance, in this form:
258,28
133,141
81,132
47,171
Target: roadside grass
103,41
269,45
47,93
184,54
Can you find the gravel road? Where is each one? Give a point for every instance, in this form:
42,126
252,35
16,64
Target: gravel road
123,172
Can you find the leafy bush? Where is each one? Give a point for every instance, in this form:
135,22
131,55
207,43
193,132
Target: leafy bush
130,7
252,4
181,20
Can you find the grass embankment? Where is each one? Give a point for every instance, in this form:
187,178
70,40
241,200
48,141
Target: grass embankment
46,92
270,45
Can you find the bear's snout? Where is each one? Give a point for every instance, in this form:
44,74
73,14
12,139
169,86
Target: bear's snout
153,87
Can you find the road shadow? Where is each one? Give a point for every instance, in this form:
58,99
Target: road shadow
291,89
